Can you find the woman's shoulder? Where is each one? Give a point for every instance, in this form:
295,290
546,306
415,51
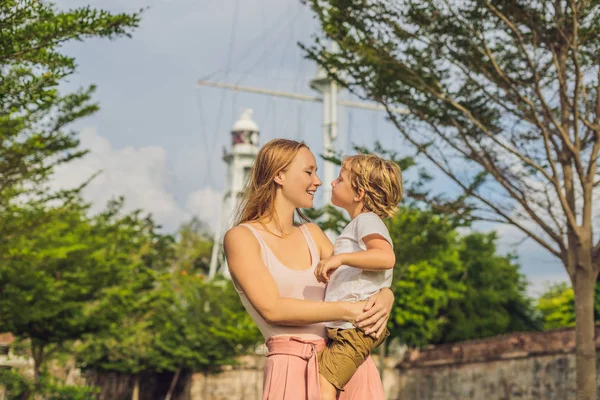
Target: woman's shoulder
314,229
239,235
319,237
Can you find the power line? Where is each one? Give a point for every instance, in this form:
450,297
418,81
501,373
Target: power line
227,68
283,57
207,171
267,33
349,143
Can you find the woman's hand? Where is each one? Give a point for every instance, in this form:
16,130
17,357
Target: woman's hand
376,313
354,310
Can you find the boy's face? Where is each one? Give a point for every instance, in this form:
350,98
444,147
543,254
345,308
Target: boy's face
342,194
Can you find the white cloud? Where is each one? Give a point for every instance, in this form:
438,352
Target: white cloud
540,284
141,175
206,204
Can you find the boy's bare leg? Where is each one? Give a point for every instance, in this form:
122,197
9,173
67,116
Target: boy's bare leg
328,391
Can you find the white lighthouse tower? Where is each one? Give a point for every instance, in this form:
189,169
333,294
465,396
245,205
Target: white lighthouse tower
244,148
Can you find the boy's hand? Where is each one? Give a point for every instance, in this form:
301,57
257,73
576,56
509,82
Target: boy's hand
327,267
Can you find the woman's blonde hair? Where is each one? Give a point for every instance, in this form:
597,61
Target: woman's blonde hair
258,200
381,181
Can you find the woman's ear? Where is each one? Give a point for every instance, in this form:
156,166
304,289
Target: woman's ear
360,196
279,178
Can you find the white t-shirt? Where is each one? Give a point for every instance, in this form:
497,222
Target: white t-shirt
354,284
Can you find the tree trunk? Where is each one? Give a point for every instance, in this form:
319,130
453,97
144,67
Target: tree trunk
585,281
173,384
136,388
205,388
37,352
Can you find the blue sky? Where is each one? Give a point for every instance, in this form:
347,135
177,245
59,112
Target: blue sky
158,138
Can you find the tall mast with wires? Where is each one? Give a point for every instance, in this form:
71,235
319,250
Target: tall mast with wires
329,91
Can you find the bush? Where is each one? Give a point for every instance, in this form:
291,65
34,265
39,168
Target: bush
20,388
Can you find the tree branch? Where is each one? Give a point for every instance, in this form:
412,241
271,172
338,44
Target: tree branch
496,209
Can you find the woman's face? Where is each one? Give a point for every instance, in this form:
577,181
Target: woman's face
299,181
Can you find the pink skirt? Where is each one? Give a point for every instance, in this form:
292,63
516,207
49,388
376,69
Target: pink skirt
292,373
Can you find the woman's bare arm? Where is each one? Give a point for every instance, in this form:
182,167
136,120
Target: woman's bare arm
251,274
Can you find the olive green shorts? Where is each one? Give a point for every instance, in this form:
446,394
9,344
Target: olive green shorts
346,350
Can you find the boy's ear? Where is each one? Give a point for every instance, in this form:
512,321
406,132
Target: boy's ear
360,195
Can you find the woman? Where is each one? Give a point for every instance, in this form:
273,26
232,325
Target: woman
272,262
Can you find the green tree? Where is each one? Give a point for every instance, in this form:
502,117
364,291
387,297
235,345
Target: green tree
193,247
126,346
495,301
34,119
19,388
503,98
34,116
48,241
202,327
66,278
557,306
427,275
184,324
173,322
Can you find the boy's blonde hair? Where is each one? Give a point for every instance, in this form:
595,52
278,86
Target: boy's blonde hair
380,179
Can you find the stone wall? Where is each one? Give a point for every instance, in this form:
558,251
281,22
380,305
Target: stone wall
523,366
116,386
245,381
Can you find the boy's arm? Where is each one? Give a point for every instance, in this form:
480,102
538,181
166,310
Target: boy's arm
378,256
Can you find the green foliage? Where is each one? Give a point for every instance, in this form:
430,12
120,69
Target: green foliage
203,326
70,276
557,306
174,320
451,288
495,92
447,288
495,301
185,323
427,275
34,116
329,218
54,390
193,247
59,266
19,388
130,297
15,384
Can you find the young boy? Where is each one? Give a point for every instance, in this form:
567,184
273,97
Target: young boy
369,189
